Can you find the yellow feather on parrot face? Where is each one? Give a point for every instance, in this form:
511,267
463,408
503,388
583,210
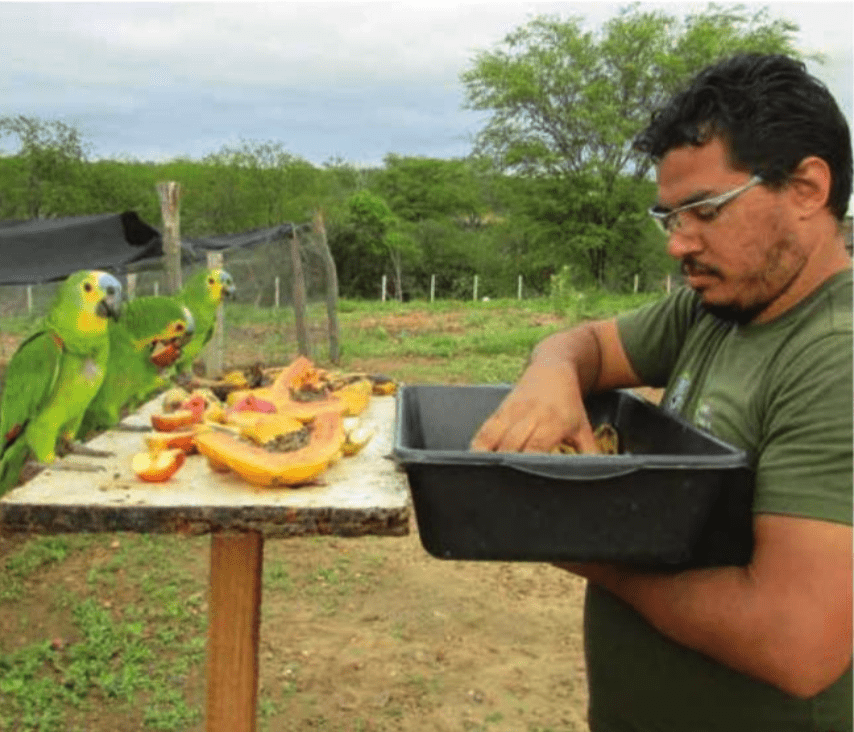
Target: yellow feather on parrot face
97,298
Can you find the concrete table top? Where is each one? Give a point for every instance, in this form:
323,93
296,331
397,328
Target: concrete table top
359,495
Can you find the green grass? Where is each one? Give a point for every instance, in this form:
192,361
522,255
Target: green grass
132,659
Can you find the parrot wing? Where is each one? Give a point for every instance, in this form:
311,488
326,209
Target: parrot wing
31,378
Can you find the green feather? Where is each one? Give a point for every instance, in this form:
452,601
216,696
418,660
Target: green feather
55,373
202,294
131,376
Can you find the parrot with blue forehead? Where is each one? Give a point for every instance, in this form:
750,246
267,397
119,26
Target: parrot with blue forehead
202,294
56,372
148,337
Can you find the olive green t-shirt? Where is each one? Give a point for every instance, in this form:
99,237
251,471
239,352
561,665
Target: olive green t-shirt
783,392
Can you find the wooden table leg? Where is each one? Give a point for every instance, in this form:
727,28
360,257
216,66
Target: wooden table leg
234,611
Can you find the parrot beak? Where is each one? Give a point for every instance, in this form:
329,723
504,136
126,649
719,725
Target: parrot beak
228,288
187,335
111,304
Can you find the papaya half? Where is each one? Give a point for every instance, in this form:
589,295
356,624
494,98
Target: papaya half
262,467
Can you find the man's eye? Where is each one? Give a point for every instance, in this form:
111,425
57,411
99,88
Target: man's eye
705,213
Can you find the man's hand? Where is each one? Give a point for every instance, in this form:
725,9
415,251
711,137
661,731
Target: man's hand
544,409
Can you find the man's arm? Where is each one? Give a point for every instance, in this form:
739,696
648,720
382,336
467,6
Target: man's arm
546,405
784,619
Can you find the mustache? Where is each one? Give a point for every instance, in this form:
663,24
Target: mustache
690,266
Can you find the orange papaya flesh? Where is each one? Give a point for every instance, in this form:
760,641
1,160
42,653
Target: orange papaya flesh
261,467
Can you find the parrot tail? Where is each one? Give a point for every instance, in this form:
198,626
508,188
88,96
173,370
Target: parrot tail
11,463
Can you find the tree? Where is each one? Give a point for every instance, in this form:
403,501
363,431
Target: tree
52,154
373,223
565,101
566,104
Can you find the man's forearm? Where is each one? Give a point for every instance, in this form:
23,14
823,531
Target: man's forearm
724,614
578,349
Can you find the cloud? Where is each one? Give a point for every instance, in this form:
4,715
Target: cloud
356,79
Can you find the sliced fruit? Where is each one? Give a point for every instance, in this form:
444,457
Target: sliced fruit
260,466
177,420
262,428
157,466
356,396
173,398
355,440
181,439
251,403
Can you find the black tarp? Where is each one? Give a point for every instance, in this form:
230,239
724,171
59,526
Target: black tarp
46,250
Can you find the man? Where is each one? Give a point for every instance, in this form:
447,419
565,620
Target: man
754,176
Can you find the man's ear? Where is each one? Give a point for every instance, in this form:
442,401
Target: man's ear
809,186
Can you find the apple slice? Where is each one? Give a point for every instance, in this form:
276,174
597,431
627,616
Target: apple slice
177,420
157,466
182,439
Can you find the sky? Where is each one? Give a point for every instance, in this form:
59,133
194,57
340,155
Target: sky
328,80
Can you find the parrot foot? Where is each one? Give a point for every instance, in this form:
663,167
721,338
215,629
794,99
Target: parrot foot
77,448
122,427
70,465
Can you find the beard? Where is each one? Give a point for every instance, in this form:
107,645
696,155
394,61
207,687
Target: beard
728,312
734,313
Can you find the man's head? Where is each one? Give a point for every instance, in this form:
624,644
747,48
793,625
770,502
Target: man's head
771,113
754,171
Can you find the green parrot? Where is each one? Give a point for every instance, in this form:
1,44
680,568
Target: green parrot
148,337
202,293
55,373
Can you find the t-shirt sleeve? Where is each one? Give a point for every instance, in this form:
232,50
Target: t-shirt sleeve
805,460
652,336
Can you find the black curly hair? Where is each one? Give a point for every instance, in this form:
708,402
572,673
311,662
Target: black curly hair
770,111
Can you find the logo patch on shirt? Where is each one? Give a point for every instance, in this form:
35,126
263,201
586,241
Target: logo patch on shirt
675,400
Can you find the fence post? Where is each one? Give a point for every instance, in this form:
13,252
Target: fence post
383,288
29,299
156,287
519,289
432,287
276,293
170,195
331,288
474,295
636,284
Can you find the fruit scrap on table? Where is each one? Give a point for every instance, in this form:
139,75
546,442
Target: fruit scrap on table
284,430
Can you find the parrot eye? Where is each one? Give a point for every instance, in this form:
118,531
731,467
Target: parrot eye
87,286
179,327
211,280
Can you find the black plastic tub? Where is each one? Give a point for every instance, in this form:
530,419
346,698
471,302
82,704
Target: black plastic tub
674,497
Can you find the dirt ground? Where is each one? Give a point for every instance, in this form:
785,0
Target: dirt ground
375,634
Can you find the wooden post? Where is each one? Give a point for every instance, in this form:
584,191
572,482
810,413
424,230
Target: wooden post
637,282
331,288
156,287
519,289
383,288
299,297
170,195
474,295
276,293
432,287
29,299
214,349
131,289
234,623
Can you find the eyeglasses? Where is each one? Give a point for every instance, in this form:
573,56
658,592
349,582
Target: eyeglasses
670,220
